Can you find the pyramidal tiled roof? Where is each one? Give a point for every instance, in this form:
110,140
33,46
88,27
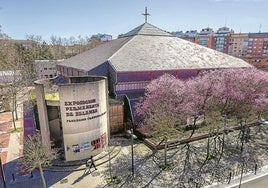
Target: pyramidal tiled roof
147,29
148,48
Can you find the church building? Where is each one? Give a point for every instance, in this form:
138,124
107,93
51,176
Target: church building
141,55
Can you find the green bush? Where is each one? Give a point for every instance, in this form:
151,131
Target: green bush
208,157
113,180
165,167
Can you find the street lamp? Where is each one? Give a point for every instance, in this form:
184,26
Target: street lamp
2,169
133,136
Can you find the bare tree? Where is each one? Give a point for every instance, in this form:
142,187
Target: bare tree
2,34
37,154
16,64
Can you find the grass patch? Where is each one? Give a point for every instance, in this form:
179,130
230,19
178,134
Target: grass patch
171,134
208,157
18,130
113,181
165,167
240,148
180,131
114,101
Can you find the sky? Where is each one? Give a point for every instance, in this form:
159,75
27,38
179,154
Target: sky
66,18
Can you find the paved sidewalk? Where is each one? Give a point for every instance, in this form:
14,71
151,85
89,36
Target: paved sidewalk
246,178
12,145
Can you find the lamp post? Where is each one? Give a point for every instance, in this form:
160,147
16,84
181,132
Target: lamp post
2,169
133,136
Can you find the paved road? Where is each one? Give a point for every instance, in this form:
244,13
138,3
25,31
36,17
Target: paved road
257,183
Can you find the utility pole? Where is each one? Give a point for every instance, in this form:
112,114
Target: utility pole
133,136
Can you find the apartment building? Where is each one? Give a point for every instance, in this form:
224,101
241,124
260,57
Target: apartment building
103,37
238,44
258,44
257,53
46,68
188,35
251,47
257,61
222,38
205,38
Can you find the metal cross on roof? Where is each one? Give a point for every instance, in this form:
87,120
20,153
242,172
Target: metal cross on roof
145,14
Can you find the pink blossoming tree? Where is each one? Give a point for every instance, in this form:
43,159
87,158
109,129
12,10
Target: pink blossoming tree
236,93
215,96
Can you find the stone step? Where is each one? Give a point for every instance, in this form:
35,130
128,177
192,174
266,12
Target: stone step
103,154
79,165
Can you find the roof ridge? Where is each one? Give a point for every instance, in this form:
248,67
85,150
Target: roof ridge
118,50
147,29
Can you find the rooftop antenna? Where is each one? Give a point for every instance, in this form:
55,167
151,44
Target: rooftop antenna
146,14
260,28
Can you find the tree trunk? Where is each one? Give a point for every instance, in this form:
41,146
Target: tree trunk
221,144
243,163
15,107
186,165
241,175
42,176
241,152
206,159
194,127
13,112
13,119
166,150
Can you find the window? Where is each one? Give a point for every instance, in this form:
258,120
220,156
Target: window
256,60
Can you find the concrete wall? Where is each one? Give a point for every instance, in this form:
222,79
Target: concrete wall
84,117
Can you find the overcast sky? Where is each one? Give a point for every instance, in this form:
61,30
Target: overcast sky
66,18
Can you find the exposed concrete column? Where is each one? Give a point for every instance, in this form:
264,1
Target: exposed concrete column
42,112
108,108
